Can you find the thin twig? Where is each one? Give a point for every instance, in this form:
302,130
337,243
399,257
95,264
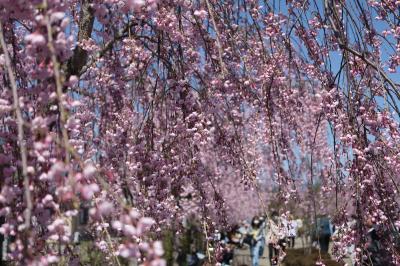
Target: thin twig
221,62
59,89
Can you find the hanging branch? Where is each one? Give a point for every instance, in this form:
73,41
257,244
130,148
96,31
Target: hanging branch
21,137
220,52
59,88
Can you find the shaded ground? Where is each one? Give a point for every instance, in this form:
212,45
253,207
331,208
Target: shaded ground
242,257
299,256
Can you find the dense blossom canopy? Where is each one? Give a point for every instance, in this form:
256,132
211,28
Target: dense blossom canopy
146,111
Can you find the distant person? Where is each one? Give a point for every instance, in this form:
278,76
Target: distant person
283,232
324,233
244,227
272,238
257,239
224,252
236,237
375,250
292,231
245,230
263,226
299,222
194,258
225,256
232,241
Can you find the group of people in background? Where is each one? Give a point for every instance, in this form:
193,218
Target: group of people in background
276,233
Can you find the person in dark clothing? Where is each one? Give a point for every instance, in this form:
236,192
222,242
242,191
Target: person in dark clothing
324,233
193,260
376,254
227,244
227,256
263,225
324,243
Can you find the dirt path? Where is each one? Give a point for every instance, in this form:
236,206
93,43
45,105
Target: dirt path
242,256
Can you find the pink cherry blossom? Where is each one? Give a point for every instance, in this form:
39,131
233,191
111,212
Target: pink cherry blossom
150,114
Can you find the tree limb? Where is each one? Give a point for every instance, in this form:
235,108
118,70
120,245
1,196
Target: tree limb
79,57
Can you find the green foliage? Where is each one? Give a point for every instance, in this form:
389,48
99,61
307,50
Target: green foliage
90,255
190,238
168,244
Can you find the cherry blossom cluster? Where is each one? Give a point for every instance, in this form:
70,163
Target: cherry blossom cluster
142,112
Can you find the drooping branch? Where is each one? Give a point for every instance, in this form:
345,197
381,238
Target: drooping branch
59,89
21,137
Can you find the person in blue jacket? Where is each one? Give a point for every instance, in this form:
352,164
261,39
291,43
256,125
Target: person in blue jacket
257,240
325,230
